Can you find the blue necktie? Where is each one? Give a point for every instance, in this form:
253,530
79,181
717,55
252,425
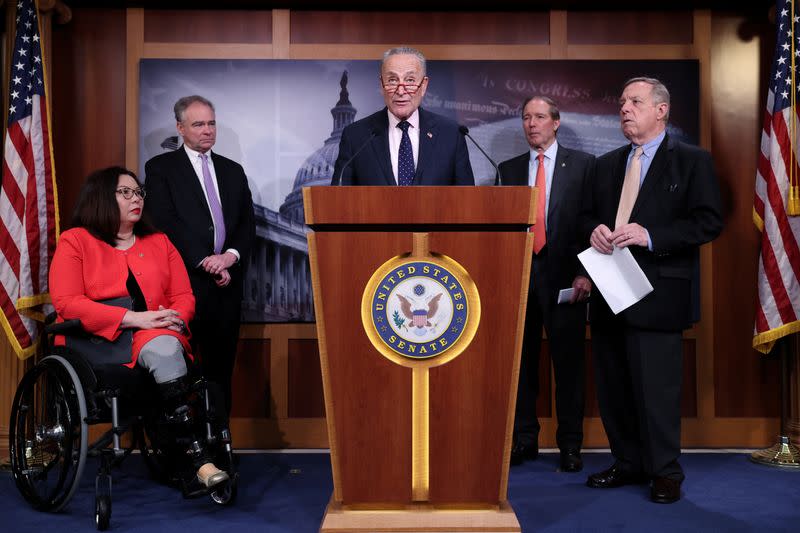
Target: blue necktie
405,157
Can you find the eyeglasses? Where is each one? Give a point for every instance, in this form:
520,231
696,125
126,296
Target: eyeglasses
128,193
392,86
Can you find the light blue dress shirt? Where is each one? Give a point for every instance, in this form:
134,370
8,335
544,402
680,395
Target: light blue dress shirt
648,153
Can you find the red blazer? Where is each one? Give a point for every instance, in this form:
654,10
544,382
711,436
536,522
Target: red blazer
85,269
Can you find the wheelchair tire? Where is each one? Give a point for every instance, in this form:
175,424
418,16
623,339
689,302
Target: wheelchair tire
102,511
48,434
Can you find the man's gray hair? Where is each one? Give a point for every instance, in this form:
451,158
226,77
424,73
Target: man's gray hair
660,91
401,50
186,101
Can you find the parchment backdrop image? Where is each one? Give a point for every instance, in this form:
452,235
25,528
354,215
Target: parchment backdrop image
282,121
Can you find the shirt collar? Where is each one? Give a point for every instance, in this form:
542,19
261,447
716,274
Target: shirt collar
194,155
550,153
413,120
649,148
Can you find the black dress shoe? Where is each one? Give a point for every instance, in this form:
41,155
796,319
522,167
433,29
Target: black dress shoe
665,490
523,452
614,477
571,460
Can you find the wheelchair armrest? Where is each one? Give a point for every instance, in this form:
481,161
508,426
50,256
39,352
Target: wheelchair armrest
65,328
74,326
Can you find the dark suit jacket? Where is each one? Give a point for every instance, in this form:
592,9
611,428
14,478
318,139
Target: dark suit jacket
679,204
176,203
571,180
443,157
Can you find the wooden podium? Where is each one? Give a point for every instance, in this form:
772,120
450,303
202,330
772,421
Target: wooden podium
420,297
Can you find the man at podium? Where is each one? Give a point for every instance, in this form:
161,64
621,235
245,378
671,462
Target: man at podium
403,144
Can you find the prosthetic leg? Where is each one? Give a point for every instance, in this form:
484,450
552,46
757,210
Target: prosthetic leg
178,416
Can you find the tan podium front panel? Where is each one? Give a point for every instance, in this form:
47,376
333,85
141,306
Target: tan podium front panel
420,297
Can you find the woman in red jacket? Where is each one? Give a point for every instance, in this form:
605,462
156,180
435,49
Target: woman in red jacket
112,252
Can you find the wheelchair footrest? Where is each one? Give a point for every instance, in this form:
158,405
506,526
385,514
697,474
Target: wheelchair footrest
194,489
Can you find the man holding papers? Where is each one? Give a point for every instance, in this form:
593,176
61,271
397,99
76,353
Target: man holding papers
659,198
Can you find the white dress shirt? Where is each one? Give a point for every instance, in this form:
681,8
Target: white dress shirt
396,134
197,165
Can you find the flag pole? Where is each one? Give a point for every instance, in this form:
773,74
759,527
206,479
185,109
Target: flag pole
784,454
792,428
793,195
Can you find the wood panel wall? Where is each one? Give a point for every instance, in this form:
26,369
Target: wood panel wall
730,392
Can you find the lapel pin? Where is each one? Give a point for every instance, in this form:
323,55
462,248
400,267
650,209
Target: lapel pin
430,135
563,164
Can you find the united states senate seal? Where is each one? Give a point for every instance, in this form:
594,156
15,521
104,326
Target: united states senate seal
420,309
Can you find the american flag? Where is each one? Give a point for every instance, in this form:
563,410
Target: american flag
28,218
775,205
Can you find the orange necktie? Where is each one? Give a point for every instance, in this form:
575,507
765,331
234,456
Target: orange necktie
539,232
630,189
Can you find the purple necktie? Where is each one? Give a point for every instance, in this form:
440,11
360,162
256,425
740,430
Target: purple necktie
405,157
213,203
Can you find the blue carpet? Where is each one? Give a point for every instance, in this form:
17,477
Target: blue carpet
289,492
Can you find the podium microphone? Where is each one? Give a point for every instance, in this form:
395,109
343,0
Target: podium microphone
338,179
465,131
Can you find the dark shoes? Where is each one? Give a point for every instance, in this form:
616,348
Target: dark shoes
571,460
614,477
570,457
662,489
665,490
523,452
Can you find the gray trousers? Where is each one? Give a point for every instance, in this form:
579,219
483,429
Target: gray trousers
163,357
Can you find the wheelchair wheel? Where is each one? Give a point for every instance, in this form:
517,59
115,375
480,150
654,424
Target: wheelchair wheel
48,434
102,501
102,511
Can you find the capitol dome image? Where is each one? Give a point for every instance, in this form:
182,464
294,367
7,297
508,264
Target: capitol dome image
278,282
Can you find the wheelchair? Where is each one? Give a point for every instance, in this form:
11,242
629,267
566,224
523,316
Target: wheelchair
69,390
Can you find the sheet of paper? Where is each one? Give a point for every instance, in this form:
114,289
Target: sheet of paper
564,295
617,276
